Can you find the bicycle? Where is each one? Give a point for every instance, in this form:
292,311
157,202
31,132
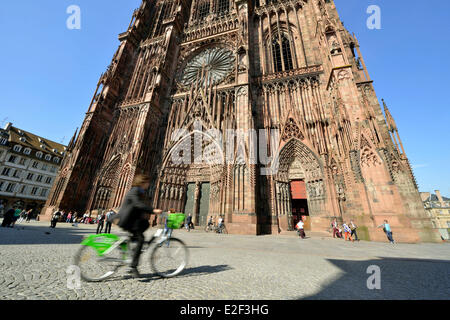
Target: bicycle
210,228
221,229
101,256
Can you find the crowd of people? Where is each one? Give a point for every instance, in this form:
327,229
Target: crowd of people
73,217
14,217
346,231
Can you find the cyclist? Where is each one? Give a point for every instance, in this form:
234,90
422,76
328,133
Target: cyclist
210,223
134,217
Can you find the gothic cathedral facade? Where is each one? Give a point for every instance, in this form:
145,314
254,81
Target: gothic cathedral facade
261,111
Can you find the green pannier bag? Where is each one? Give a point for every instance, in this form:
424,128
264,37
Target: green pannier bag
175,220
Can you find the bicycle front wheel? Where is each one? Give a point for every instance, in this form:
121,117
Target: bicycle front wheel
95,268
169,257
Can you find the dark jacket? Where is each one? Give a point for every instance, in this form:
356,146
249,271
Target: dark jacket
133,209
8,217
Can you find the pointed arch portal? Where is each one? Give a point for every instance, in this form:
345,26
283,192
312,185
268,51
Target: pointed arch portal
299,185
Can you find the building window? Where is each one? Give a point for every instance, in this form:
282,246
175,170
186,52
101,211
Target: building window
35,164
1,185
16,174
49,180
56,160
203,10
39,155
6,171
3,141
287,55
12,159
30,176
17,148
22,161
27,151
44,167
39,178
48,157
52,169
11,187
34,191
281,51
224,6
23,189
44,193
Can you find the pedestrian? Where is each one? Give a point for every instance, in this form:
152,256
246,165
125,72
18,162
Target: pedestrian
75,219
334,226
29,215
64,216
8,218
339,234
347,232
108,218
387,229
300,229
69,217
55,218
22,217
100,223
134,217
353,227
16,217
86,217
189,223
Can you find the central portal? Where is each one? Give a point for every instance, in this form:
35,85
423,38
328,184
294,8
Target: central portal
204,204
299,198
197,202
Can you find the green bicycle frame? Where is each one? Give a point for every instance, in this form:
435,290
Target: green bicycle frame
102,242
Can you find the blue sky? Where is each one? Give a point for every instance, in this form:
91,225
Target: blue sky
49,72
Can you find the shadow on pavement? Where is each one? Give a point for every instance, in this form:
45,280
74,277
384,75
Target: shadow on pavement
190,272
24,234
400,279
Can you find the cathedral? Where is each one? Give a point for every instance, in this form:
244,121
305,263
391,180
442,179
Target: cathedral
260,111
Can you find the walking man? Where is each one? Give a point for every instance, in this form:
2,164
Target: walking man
189,222
100,222
353,227
110,214
387,229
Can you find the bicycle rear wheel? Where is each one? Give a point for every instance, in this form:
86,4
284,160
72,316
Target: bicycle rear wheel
169,257
94,268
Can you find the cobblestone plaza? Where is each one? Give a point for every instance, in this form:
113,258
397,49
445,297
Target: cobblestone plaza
34,260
